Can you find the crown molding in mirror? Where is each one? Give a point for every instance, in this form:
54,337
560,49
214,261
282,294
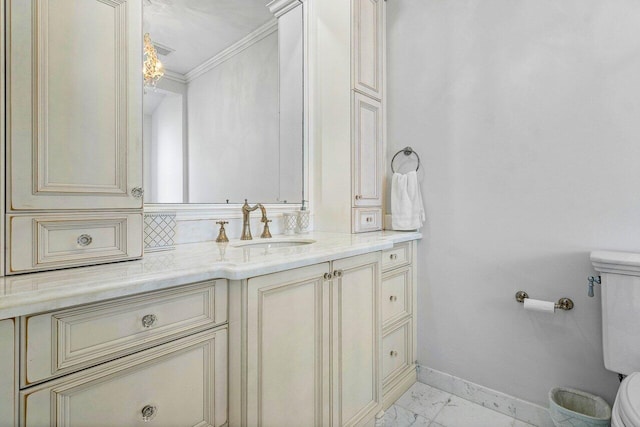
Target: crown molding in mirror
250,39
176,77
280,7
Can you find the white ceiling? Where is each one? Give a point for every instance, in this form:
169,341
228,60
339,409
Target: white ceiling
199,29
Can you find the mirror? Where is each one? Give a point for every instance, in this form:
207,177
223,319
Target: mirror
225,122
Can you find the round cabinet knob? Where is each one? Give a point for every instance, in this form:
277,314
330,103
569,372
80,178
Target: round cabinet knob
137,192
358,197
149,320
149,412
393,256
328,276
369,219
84,240
393,298
337,273
393,353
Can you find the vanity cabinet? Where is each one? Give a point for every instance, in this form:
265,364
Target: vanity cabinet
159,356
398,306
74,128
8,373
182,383
312,350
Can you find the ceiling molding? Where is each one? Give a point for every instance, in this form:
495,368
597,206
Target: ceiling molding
176,77
252,38
280,7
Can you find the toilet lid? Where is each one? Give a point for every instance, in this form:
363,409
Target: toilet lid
629,399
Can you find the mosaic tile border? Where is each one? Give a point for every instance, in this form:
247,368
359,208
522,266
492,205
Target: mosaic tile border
159,231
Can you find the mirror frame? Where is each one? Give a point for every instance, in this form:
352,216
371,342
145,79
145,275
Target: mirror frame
195,211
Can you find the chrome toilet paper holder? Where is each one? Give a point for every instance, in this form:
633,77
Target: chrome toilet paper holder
562,304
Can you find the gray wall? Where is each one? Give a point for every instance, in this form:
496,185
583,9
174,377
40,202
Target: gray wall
167,175
526,114
233,128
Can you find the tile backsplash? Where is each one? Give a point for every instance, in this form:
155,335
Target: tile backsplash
159,231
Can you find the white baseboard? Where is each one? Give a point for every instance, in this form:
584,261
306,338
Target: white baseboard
500,402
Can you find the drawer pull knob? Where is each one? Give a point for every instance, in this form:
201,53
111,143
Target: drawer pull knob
84,240
393,256
337,273
137,192
149,412
393,298
393,353
149,320
328,276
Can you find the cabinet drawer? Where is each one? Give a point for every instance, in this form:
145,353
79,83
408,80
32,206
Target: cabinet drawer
64,341
396,295
183,383
397,256
46,242
396,352
369,219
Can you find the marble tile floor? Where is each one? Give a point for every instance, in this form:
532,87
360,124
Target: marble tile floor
423,406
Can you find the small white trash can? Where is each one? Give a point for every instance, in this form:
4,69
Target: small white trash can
575,408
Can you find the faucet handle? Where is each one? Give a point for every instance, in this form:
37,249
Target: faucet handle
222,234
266,234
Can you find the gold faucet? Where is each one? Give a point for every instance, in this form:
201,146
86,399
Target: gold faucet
246,227
222,235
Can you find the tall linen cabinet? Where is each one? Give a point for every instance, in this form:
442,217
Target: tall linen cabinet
74,133
347,114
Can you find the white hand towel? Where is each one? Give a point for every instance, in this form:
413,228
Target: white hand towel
407,209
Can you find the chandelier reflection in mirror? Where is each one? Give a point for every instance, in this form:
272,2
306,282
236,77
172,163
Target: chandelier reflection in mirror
153,69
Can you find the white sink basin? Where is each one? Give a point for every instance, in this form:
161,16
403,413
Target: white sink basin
273,243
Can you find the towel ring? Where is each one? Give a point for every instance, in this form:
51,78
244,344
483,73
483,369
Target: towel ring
407,151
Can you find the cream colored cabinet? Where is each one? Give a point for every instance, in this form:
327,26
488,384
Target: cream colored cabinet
398,307
313,343
74,128
182,383
48,241
367,139
159,357
367,117
367,151
286,339
348,115
356,333
368,48
8,373
64,341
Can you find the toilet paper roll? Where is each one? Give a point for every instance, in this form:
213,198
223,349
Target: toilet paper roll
539,305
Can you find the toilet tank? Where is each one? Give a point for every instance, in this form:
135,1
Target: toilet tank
620,274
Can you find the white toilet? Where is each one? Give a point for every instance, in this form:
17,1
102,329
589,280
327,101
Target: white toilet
621,331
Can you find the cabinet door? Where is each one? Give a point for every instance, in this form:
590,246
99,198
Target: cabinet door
287,348
356,339
367,151
75,104
368,46
182,383
8,366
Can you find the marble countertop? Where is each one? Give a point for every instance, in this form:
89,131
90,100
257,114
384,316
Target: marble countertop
38,292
